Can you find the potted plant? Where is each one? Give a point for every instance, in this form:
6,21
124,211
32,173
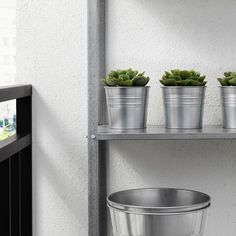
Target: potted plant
127,99
183,95
228,99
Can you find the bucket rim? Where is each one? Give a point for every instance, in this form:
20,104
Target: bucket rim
227,86
164,213
179,87
168,209
126,87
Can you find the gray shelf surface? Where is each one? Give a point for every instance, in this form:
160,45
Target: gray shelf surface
155,132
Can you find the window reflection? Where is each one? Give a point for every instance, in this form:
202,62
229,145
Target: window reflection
7,64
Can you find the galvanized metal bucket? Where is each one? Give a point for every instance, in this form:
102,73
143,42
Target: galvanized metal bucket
158,212
183,106
228,106
127,107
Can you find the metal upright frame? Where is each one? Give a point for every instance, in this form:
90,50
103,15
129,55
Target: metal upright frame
96,116
99,134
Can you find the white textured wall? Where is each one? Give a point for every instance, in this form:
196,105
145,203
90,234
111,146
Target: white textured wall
158,35
52,56
149,35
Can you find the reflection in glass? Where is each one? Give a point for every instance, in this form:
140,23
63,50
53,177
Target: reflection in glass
7,64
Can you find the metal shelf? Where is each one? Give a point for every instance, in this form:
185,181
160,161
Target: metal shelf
155,132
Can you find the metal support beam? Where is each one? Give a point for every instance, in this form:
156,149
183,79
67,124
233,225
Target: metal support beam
5,198
14,92
97,189
96,115
25,176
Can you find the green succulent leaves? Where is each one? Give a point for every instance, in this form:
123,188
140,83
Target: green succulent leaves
229,79
125,78
183,78
130,77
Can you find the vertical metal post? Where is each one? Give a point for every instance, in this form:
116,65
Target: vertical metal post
25,199
14,171
5,204
96,115
24,118
24,126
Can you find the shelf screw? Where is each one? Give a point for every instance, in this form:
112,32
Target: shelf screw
92,136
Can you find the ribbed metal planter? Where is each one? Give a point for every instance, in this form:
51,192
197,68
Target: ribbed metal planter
183,106
160,212
127,107
228,106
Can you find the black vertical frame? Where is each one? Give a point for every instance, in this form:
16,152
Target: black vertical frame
25,199
14,184
5,198
16,167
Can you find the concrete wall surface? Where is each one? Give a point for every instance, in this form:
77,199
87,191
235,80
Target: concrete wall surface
52,56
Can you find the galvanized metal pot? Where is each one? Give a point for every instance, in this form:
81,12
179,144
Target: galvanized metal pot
228,106
183,106
127,107
158,212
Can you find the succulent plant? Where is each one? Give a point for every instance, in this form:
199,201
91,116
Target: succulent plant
229,79
183,78
125,78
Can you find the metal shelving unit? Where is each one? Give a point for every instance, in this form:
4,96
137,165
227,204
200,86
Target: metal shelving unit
99,134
